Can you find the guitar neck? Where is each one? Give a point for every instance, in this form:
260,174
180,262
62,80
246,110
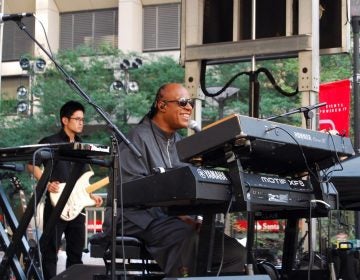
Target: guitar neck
18,188
97,185
22,200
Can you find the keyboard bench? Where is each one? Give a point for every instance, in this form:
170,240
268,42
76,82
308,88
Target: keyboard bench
136,257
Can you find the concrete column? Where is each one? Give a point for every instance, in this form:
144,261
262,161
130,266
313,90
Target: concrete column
47,12
309,61
192,33
309,76
130,25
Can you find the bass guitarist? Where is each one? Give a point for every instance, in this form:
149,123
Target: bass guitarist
72,122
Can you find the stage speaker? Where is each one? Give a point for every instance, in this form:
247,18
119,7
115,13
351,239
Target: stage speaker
80,272
243,277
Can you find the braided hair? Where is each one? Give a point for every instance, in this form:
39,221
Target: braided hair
153,109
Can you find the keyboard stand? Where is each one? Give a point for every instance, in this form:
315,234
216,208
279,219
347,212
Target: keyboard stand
20,231
205,245
15,264
19,241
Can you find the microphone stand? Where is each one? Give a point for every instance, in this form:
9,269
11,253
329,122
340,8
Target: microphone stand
307,111
115,150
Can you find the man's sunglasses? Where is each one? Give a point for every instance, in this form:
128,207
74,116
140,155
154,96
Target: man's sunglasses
182,102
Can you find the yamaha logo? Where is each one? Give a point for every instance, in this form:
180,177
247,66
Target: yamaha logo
302,136
211,174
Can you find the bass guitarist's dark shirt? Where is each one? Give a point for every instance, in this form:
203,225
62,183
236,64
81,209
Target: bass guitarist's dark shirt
61,169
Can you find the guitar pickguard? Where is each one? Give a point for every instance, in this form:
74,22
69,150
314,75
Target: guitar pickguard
78,200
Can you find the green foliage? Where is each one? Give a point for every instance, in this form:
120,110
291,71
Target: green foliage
271,101
155,72
93,72
335,67
8,107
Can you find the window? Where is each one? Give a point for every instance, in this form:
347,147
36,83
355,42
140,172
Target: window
15,42
161,27
90,28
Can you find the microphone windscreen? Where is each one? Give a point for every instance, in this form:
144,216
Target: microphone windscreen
194,126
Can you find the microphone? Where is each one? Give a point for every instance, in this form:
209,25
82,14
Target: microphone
194,126
5,17
12,166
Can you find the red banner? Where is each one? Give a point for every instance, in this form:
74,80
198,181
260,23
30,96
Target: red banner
260,226
336,114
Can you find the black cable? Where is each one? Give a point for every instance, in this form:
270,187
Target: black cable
253,74
121,212
329,235
273,82
337,159
302,153
223,238
311,253
37,237
202,80
46,37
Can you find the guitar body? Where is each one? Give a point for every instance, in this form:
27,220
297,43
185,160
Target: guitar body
78,200
39,218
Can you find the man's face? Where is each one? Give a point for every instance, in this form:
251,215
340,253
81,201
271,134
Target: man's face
75,123
176,114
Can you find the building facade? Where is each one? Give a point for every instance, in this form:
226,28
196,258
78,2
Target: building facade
130,25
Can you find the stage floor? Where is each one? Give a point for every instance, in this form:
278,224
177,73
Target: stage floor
62,260
86,260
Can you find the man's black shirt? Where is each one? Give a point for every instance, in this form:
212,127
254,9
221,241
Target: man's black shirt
60,169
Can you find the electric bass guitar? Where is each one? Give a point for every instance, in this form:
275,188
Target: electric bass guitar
18,188
32,258
79,197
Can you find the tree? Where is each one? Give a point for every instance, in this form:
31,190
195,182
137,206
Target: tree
285,73
271,102
94,74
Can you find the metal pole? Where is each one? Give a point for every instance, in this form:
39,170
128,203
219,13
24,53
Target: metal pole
253,87
355,23
1,46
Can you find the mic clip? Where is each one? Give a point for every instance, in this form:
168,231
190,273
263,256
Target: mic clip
159,169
